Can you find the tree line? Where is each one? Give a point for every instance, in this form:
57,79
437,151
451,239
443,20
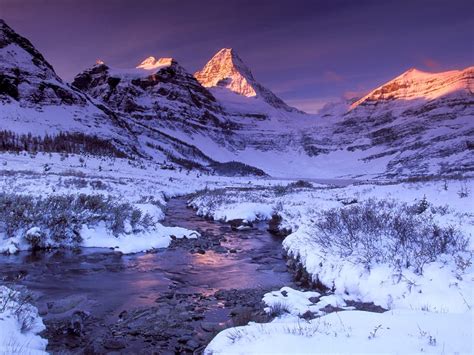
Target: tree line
63,142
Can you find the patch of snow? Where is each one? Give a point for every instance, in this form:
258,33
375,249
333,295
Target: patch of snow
20,325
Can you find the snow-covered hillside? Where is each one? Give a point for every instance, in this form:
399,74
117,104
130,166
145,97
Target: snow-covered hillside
418,85
419,124
33,99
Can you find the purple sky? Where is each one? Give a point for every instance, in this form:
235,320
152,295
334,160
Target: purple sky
307,52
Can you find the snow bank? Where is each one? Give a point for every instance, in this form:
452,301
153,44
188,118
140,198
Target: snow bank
249,211
298,303
350,332
19,325
428,312
157,237
442,287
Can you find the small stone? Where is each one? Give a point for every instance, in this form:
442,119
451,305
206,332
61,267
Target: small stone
209,326
114,344
192,344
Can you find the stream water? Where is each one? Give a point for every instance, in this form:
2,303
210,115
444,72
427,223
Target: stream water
167,301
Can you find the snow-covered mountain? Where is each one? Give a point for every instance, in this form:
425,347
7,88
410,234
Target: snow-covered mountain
418,85
423,124
156,90
35,100
416,124
226,69
109,115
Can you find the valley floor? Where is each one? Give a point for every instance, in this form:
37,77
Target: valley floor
410,258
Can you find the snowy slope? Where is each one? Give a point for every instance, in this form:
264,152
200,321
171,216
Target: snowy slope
416,124
111,111
33,99
422,124
418,85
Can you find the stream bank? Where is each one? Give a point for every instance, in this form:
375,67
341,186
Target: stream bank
165,301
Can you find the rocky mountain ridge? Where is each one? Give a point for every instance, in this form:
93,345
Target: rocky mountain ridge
416,124
226,69
418,85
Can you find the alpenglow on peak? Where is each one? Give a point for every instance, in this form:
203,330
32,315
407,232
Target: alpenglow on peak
151,63
226,69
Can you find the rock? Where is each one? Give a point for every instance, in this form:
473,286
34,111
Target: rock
330,309
192,344
123,315
66,304
240,310
210,326
43,310
313,299
114,344
238,224
76,325
274,227
185,338
308,315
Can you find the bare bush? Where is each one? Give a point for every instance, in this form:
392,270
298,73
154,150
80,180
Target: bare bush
278,309
56,220
387,232
463,191
281,190
300,184
18,304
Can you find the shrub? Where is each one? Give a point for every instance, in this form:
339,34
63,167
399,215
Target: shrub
301,184
280,190
387,232
278,309
17,304
57,220
463,191
286,189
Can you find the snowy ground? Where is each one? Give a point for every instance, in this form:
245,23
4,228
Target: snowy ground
19,325
145,186
429,310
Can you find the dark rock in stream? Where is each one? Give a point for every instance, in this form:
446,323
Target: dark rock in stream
274,227
240,224
76,325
